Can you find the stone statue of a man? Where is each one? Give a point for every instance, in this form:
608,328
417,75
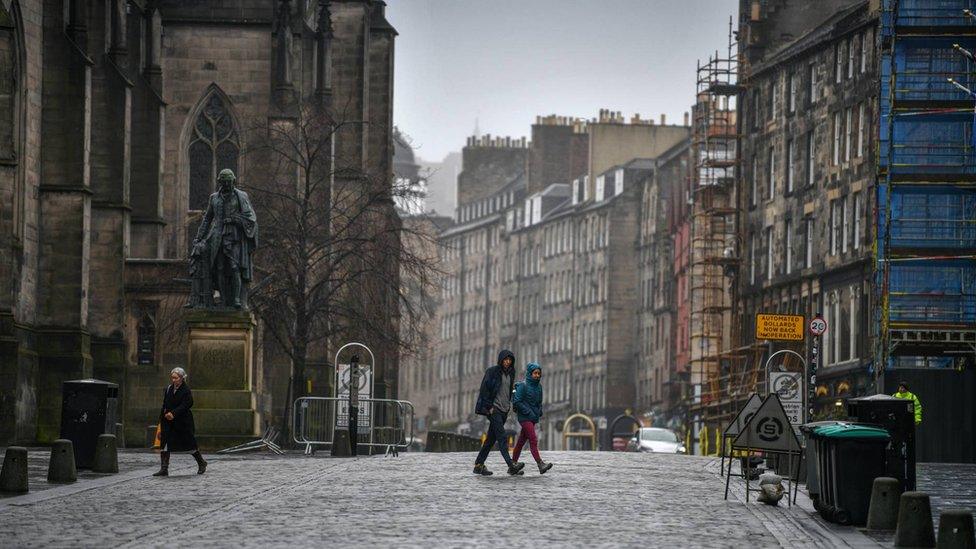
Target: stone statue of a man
223,245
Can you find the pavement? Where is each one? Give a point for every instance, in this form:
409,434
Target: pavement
415,500
591,499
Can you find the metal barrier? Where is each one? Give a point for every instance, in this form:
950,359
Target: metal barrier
390,423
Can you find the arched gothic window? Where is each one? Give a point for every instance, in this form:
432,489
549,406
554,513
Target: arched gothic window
146,341
11,107
214,146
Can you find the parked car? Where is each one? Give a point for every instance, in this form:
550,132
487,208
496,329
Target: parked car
656,439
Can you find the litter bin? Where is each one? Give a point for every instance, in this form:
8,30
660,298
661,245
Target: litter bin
897,416
812,459
89,407
849,458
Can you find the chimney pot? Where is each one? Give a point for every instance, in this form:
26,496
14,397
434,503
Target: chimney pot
663,120
686,118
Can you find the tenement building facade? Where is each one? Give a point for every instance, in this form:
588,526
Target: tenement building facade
116,117
543,262
809,119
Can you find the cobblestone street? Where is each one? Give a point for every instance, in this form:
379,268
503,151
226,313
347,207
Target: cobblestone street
609,499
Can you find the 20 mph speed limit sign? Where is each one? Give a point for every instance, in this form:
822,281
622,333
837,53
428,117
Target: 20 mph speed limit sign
818,326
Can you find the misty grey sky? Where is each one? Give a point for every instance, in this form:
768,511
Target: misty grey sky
506,61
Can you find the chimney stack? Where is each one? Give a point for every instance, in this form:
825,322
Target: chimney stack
686,118
663,119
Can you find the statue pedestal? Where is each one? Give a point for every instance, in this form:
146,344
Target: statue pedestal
220,370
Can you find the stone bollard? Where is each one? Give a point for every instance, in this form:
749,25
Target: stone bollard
340,443
61,468
431,445
914,521
956,530
13,476
883,511
106,455
455,440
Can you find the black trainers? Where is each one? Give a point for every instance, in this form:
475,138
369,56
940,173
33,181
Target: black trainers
516,469
480,469
543,467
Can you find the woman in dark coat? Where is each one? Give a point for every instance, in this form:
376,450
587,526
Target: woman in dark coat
176,423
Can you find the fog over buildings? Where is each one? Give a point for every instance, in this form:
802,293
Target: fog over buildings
497,65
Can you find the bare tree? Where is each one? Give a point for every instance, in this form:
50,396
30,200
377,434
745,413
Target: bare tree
330,245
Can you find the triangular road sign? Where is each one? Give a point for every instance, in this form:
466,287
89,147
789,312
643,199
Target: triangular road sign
769,429
744,415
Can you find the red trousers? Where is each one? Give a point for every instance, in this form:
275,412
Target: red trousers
527,433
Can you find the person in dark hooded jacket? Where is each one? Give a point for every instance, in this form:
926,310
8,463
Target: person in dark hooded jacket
494,402
528,406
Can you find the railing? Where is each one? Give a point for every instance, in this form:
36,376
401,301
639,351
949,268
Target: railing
932,13
945,158
390,422
944,293
929,233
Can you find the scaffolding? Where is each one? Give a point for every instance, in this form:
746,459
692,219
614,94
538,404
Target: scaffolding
925,280
721,379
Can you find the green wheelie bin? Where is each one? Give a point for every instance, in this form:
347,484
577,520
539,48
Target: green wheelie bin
849,458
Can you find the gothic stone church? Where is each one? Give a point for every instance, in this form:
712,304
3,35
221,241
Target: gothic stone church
115,117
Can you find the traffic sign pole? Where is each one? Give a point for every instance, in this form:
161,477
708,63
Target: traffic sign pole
818,327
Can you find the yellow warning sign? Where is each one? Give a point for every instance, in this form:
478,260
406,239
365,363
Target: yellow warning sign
780,327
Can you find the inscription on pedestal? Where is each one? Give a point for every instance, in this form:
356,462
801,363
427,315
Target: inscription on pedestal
218,363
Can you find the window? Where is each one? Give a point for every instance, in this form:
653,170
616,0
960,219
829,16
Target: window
835,347
857,220
772,174
852,316
769,253
213,147
866,42
752,259
848,133
754,191
808,248
837,133
791,101
789,246
851,57
845,225
756,101
811,157
834,227
790,165
12,118
839,56
814,91
146,344
773,100
861,130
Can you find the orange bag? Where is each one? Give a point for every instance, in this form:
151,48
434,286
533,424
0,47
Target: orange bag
156,442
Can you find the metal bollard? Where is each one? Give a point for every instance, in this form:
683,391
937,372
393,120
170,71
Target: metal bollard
13,476
914,521
883,510
61,467
106,455
431,445
340,443
956,530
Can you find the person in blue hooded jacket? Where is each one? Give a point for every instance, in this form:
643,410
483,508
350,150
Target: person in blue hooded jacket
494,402
528,405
